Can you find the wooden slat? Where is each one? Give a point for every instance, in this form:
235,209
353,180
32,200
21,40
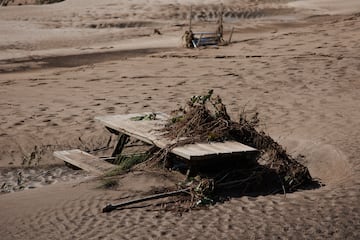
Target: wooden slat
206,33
219,148
210,150
231,146
84,160
203,41
148,131
192,152
145,130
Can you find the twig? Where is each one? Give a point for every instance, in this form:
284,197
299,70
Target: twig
111,207
223,177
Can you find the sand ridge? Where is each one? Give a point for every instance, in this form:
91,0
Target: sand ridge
300,74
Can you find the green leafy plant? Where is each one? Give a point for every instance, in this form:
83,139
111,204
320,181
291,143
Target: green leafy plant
127,162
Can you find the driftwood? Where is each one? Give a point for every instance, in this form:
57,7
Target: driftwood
110,207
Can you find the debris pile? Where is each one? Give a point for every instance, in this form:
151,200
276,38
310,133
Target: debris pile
205,119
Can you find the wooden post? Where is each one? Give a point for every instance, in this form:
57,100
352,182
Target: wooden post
199,41
231,33
122,140
190,18
221,14
221,28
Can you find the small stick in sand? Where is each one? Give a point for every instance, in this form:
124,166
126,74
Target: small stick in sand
110,207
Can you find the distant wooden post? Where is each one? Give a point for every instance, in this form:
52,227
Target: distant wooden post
190,18
231,33
220,29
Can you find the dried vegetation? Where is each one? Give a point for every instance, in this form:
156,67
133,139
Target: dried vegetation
205,119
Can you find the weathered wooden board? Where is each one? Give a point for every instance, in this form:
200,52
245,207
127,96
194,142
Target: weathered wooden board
144,130
206,38
206,33
200,151
148,131
85,161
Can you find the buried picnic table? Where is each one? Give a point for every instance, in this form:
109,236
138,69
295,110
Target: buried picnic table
148,130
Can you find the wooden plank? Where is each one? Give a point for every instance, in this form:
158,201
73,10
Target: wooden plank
148,131
231,146
206,33
192,152
145,130
85,161
204,41
200,151
211,148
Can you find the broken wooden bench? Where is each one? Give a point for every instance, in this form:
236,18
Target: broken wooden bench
147,130
206,39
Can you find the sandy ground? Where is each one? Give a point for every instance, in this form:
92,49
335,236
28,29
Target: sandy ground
295,62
